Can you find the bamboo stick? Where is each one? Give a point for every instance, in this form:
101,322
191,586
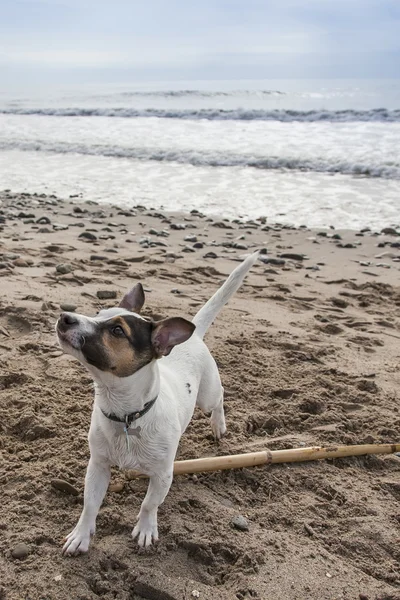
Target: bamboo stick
252,459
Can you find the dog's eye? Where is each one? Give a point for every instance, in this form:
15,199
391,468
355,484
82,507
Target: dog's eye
118,331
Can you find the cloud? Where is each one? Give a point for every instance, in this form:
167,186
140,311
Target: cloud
258,37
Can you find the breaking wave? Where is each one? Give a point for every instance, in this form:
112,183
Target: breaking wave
211,114
212,159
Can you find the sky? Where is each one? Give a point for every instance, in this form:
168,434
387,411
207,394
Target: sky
95,41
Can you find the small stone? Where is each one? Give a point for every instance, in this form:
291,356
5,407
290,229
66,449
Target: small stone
272,261
116,487
292,256
20,262
86,235
145,241
64,486
210,255
21,550
188,249
43,221
339,302
222,225
175,291
240,523
106,294
45,230
389,231
329,575
336,236
60,227
68,307
6,265
178,226
136,259
11,256
198,245
64,268
190,238
308,527
240,246
97,257
23,215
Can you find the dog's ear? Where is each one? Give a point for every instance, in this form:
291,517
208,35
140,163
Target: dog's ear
169,333
134,299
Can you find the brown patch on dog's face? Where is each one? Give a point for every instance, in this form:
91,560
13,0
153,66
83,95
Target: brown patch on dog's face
121,345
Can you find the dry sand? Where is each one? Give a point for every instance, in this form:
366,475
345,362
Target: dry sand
309,354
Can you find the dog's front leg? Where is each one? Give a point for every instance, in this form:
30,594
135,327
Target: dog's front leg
96,484
146,528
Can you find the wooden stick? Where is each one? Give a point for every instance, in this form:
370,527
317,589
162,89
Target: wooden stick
252,459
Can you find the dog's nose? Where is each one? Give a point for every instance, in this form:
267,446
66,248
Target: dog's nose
67,320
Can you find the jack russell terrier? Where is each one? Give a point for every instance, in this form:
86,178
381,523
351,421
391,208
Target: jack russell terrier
144,396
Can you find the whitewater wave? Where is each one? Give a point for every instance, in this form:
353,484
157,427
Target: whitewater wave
211,159
200,93
240,114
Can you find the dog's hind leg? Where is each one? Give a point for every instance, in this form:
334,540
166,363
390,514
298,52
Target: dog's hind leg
218,424
210,399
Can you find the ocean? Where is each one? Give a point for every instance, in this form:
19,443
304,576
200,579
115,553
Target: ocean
313,152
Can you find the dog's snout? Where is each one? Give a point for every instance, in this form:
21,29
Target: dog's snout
67,320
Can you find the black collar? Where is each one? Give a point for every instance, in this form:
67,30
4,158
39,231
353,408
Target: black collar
128,419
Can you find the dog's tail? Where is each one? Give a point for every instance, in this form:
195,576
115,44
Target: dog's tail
210,310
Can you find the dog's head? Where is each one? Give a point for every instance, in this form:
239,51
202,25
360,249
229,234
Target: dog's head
119,340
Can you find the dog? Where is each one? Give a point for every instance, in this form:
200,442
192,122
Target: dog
148,377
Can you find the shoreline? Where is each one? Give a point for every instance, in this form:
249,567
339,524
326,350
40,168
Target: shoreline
308,352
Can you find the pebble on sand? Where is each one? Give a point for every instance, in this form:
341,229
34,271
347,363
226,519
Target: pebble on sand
43,221
64,268
240,523
222,225
389,231
21,550
64,486
68,307
178,226
118,486
86,235
106,294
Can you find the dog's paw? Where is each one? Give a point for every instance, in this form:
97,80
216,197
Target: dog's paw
218,426
146,531
77,542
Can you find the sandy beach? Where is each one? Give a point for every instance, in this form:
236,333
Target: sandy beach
308,352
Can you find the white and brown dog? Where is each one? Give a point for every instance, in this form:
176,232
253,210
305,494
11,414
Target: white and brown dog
144,396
